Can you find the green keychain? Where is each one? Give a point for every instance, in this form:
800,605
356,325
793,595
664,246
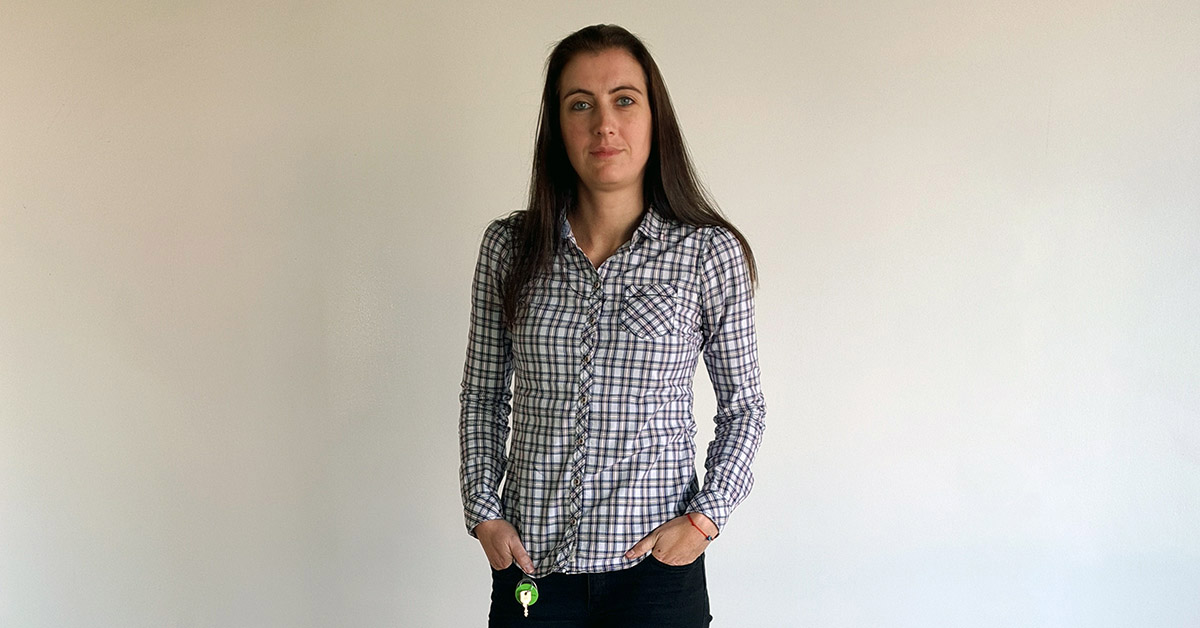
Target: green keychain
527,593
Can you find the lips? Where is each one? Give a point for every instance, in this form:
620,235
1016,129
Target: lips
604,151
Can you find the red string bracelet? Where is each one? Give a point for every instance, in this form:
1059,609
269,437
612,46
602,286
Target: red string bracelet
706,535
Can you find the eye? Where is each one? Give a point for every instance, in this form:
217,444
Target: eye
624,101
579,105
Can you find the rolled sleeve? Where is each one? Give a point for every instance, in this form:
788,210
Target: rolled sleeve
486,394
731,357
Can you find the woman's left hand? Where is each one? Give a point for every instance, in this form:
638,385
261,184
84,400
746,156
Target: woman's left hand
676,542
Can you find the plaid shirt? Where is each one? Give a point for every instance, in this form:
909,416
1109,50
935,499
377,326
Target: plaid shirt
603,360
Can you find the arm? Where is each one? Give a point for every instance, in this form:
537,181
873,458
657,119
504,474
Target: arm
485,399
731,357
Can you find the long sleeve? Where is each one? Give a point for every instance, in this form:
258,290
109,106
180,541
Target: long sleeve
731,357
486,393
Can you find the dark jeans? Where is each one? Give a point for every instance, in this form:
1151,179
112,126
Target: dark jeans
650,594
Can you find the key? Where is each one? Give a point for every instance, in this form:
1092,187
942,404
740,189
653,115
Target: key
527,593
526,596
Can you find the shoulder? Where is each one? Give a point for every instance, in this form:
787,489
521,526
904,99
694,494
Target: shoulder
721,244
500,234
502,228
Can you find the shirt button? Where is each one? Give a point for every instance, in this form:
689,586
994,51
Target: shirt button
596,285
586,359
575,482
574,521
579,442
592,320
582,399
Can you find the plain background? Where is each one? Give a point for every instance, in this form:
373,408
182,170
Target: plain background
236,242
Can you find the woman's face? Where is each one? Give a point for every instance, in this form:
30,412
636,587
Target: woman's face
604,111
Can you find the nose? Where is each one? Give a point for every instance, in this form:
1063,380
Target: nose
605,121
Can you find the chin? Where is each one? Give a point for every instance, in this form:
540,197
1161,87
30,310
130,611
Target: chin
613,178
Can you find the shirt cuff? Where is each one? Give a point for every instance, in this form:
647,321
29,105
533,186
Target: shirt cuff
711,505
481,508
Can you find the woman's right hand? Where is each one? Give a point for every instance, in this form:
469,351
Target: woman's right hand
503,545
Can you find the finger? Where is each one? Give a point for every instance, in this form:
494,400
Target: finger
641,547
521,556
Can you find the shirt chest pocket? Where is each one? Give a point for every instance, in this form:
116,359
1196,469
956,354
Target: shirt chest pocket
648,310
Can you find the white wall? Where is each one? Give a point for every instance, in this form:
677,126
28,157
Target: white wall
235,250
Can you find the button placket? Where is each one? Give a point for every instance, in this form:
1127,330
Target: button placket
587,346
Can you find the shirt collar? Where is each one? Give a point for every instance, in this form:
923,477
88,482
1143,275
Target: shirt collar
651,226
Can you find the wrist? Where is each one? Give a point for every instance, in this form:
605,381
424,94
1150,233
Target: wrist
702,523
486,526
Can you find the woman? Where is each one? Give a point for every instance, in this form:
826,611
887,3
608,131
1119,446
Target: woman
595,303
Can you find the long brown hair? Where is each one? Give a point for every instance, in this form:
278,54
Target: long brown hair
669,183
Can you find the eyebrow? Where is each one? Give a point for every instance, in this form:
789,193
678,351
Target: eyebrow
579,90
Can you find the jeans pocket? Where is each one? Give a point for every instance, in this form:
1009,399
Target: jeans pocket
501,572
655,562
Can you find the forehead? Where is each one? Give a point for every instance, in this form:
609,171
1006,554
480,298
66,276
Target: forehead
599,72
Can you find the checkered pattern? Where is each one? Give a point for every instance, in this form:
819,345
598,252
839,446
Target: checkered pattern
597,376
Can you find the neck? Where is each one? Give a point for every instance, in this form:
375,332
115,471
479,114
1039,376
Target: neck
607,218
603,222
